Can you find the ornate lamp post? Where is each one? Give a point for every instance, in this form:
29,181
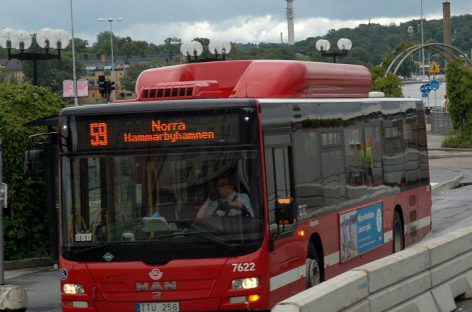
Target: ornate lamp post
21,40
344,45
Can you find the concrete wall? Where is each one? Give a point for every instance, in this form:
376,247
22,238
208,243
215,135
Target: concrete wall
423,278
441,122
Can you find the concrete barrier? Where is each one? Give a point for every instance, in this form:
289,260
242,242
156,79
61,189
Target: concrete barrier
13,298
446,185
423,278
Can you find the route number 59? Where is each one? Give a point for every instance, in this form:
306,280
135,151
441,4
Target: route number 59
98,134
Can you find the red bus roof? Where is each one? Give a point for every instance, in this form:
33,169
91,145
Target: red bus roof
255,79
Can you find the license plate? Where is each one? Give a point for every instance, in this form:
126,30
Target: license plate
158,307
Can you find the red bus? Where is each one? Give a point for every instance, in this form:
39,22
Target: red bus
325,177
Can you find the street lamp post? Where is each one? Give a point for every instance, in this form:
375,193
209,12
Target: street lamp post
422,38
76,100
21,40
110,20
344,45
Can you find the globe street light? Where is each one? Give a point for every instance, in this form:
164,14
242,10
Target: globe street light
110,20
344,45
21,40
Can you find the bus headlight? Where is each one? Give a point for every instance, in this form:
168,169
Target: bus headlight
73,289
245,283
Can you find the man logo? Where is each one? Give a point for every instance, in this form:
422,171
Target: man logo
155,274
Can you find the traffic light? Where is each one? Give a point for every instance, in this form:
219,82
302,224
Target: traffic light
111,86
105,86
102,85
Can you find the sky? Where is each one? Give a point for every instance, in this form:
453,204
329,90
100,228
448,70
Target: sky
243,21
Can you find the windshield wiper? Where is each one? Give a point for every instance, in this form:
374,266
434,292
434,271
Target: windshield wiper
89,248
214,239
208,236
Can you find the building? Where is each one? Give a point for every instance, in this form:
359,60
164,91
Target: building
96,66
15,67
101,65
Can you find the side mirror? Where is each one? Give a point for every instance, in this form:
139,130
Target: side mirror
32,164
284,211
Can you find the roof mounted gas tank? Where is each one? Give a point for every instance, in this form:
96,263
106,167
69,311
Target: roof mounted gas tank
255,79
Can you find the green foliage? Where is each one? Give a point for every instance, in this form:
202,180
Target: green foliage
26,229
52,73
123,46
457,141
128,81
390,85
6,76
80,45
459,92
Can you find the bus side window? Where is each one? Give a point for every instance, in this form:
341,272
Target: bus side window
278,180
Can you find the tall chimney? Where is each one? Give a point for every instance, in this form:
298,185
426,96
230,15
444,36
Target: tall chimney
291,32
447,23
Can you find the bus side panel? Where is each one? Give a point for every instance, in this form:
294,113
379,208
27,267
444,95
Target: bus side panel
424,211
339,260
287,269
410,216
328,224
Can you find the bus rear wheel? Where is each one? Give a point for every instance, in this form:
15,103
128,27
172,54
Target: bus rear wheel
314,272
398,238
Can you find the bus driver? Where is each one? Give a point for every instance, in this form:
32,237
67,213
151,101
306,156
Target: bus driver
229,202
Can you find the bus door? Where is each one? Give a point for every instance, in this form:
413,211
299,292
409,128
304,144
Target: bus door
286,259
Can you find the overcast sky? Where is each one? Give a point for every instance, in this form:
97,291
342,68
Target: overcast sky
233,20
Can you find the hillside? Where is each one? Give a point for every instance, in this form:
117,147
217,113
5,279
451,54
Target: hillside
371,44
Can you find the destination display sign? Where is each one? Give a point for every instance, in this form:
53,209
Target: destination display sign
131,131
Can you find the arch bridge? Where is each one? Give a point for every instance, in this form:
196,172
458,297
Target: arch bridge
449,52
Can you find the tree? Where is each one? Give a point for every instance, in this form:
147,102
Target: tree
459,92
6,76
390,85
102,46
128,81
169,41
26,229
80,45
301,57
361,55
52,73
408,68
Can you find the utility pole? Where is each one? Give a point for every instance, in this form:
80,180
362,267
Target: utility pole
422,40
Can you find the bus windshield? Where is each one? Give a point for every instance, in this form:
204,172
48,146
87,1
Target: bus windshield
155,198
144,185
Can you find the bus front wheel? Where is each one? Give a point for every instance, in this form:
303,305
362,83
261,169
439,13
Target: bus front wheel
398,239
313,267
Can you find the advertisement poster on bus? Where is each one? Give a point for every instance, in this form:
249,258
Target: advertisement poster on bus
361,230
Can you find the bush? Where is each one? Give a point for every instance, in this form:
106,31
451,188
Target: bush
26,228
457,141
